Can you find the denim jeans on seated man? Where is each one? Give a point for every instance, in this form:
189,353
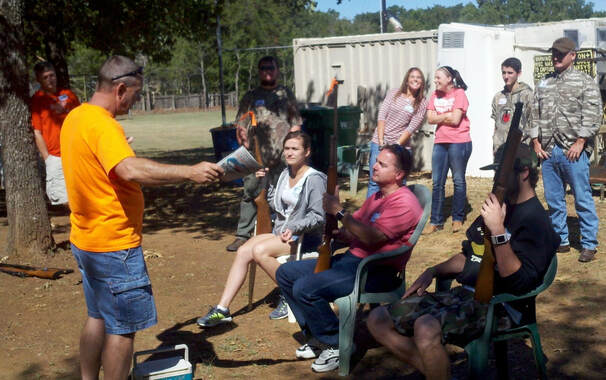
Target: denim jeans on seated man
453,156
558,170
309,294
372,185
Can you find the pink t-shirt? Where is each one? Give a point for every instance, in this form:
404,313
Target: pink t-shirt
396,216
442,103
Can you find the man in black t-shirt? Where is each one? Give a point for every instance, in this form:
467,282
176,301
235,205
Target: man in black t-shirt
416,327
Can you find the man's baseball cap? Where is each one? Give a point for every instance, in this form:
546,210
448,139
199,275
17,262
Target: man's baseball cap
525,158
563,45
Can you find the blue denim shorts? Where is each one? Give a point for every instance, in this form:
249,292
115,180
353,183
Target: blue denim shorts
117,289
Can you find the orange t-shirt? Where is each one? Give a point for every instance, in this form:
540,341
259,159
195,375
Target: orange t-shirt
48,121
106,211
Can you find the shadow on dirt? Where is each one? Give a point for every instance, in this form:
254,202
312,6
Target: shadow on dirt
567,336
202,352
35,370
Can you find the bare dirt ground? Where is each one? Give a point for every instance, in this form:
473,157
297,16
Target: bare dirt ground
186,229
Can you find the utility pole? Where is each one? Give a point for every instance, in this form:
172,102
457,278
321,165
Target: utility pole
220,50
382,16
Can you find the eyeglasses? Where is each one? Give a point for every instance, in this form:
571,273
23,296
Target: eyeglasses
139,71
267,68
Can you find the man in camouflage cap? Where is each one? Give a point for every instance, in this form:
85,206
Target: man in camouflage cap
275,107
566,115
416,327
503,103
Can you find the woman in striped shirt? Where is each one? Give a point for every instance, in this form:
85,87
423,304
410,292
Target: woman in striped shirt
400,115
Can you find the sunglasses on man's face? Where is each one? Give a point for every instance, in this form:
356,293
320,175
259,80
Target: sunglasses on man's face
558,54
267,68
134,73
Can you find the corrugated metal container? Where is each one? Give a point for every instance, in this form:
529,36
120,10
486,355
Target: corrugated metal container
369,65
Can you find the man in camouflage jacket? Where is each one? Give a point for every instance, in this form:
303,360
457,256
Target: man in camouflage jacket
276,111
503,103
566,115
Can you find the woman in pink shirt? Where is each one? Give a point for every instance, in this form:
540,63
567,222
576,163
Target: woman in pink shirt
447,107
400,115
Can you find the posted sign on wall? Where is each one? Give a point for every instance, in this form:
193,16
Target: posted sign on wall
584,62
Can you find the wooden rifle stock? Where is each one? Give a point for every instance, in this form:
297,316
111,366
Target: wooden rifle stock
485,282
325,249
263,212
27,271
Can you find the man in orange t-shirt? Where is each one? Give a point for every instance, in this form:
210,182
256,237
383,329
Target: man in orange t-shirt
103,179
49,106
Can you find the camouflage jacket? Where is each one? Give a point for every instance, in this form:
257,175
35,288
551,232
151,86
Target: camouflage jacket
566,106
503,106
276,112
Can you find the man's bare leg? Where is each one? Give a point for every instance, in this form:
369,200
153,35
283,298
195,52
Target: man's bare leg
117,356
428,339
383,330
91,346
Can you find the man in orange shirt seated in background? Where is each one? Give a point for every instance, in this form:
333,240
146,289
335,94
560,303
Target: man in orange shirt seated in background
49,106
103,179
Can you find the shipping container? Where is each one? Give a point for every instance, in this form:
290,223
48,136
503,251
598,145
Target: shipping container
369,65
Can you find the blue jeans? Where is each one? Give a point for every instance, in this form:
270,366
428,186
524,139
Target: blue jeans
309,294
454,157
117,289
557,172
372,185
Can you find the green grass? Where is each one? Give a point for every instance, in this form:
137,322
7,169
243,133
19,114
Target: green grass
173,131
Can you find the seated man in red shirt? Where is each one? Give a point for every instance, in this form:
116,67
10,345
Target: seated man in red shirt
50,105
386,221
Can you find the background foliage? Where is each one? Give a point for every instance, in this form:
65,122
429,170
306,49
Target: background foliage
176,41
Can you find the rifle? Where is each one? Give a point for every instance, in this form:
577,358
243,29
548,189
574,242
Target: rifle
485,281
263,212
27,271
325,250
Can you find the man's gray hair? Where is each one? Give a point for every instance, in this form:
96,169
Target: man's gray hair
113,72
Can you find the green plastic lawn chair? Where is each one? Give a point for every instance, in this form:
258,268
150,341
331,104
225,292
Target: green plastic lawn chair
477,350
348,305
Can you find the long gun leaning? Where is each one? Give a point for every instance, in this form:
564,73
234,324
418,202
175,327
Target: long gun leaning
325,249
263,212
485,281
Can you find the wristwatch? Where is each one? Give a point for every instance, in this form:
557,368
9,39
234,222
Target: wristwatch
500,239
340,214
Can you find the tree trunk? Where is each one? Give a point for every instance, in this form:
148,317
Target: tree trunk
56,53
202,75
250,71
29,232
237,72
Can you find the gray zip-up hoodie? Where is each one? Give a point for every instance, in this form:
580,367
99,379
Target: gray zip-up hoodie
308,214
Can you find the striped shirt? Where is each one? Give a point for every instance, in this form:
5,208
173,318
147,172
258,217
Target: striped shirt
399,116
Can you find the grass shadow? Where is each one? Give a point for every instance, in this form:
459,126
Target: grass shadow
189,207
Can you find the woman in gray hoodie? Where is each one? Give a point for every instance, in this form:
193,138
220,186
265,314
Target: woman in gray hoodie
296,201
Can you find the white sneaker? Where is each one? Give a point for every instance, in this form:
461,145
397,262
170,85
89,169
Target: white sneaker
327,361
308,351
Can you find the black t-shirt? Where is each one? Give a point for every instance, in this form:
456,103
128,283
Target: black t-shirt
533,240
